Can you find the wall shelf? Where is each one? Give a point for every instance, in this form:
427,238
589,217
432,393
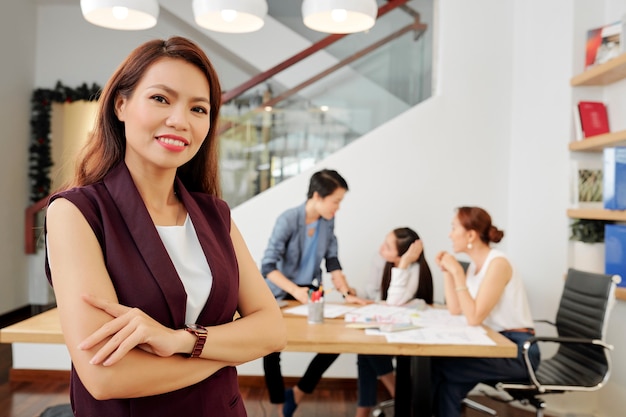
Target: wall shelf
597,214
599,142
603,74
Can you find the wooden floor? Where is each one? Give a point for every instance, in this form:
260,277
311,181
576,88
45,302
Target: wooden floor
30,399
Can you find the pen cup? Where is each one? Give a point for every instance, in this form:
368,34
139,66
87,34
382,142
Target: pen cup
316,312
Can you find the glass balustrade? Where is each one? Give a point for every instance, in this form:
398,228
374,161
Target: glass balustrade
305,113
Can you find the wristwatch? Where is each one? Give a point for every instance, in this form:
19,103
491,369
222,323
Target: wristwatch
200,333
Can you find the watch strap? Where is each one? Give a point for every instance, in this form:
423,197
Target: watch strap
200,333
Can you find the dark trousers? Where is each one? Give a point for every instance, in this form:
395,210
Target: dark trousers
454,378
371,367
274,377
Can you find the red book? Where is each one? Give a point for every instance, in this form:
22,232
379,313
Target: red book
594,119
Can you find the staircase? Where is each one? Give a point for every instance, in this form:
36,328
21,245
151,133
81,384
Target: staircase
296,113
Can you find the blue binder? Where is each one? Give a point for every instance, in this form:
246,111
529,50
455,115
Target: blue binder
614,178
615,251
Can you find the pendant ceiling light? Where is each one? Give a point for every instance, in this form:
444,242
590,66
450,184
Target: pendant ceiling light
121,14
230,16
339,16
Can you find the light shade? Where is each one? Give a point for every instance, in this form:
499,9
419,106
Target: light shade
230,16
339,16
121,14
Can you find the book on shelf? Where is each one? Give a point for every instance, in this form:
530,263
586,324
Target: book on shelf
615,251
593,118
614,178
603,43
578,128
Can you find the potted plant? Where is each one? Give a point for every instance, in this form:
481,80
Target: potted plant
588,240
587,231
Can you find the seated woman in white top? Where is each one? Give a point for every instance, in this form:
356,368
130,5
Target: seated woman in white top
491,294
403,275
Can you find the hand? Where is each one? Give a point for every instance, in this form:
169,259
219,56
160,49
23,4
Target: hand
448,263
441,259
353,299
129,328
301,294
412,254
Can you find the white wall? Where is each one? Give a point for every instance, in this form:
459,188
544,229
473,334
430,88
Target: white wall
17,29
495,135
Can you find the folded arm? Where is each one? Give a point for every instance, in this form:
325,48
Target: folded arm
119,352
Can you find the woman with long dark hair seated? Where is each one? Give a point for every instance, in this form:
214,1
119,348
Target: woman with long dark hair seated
402,275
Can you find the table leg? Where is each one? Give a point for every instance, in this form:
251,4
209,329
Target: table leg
420,377
413,395
402,402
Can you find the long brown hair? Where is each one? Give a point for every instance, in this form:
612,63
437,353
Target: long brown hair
404,238
107,144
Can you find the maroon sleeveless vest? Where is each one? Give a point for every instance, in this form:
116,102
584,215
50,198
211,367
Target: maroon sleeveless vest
144,276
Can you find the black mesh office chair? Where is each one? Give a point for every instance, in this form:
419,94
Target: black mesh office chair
582,361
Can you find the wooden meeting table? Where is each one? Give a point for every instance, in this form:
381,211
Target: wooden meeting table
413,396
413,367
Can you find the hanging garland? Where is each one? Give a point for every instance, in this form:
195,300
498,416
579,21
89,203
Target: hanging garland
40,159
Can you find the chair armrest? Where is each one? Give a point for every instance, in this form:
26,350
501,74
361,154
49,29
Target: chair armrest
558,339
545,321
561,340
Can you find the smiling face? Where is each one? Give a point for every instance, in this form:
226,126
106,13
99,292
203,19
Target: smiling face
328,206
166,119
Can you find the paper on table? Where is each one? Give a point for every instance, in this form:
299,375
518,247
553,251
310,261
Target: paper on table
439,317
436,326
381,313
331,311
441,335
383,327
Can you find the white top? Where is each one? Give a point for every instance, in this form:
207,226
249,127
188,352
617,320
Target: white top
402,287
512,310
184,248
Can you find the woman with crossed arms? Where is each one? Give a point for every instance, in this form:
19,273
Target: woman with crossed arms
147,265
